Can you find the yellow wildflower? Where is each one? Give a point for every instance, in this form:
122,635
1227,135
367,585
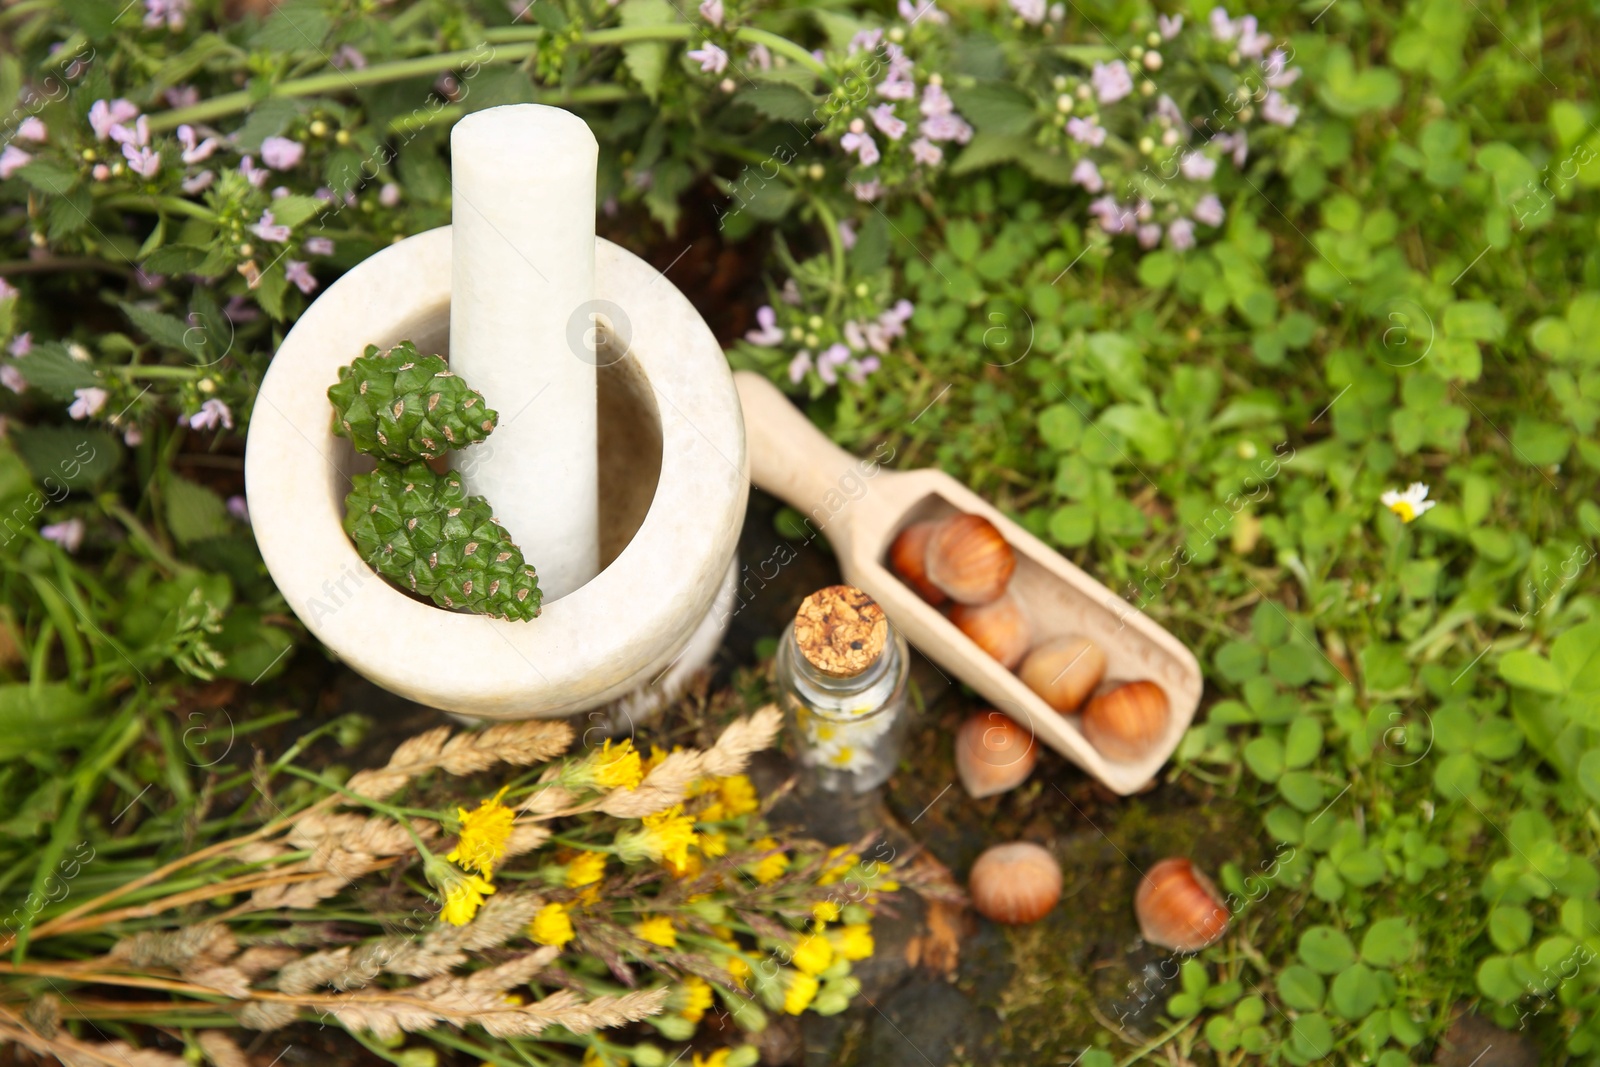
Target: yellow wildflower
825,911
888,886
552,925
665,835
657,931
618,768
738,795
589,897
691,867
853,941
738,970
718,1058
484,833
773,866
802,990
813,954
713,845
836,871
463,896
697,998
585,869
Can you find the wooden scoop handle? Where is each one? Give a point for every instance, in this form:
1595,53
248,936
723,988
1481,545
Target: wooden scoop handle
792,459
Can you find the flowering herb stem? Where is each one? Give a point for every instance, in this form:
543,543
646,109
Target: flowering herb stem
831,224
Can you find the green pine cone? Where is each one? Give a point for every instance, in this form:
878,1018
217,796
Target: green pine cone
423,532
402,405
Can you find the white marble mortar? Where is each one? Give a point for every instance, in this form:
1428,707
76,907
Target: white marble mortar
611,638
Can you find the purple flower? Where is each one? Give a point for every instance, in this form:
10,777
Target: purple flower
181,96
924,9
867,191
1209,210
349,56
21,344
300,274
279,192
12,379
133,437
1169,25
168,12
239,509
935,101
711,11
149,282
894,320
211,414
199,183
1222,27
32,129
799,365
1197,167
847,234
1087,175
1167,109
712,59
268,230
761,56
1114,218
946,128
926,152
1251,43
103,115
900,83
194,149
87,402
864,41
1236,143
69,534
861,143
1150,235
854,335
319,246
858,369
770,332
256,176
138,135
1278,111
142,161
238,309
280,153
1031,11
1180,235
7,290
389,195
13,159
828,363
790,293
1275,72
1086,131
1111,81
883,117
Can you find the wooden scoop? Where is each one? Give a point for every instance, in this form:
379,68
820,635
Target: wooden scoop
861,507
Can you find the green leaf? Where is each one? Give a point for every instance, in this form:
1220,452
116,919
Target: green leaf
647,60
1072,524
1264,756
786,103
294,26
270,117
995,107
163,329
1312,1037
1475,320
990,149
1589,773
1326,950
194,513
51,370
1529,670
1510,928
1498,981
1148,430
293,210
50,178
1388,942
1061,427
1540,443
68,457
1301,789
1355,992
1349,92
37,718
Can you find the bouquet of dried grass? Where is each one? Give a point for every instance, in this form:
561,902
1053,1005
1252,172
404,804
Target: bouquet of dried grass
587,893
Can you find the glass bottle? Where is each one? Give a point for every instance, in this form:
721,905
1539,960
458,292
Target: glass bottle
842,671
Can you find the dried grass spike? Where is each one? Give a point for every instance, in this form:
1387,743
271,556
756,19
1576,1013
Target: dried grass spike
221,1050
741,739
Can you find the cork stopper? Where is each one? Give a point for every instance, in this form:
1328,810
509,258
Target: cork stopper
841,631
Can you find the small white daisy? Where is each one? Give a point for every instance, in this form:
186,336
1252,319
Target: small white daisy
1408,504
